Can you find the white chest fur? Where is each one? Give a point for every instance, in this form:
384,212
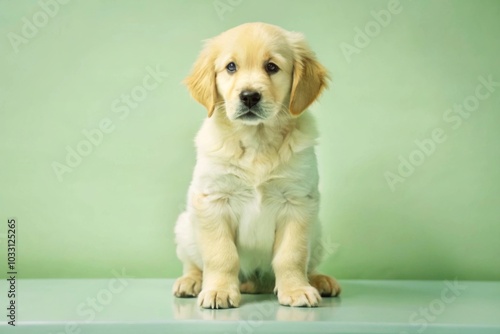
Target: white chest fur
255,235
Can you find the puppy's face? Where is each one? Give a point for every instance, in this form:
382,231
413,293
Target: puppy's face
254,74
255,71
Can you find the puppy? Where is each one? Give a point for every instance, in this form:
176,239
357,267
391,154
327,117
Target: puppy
251,223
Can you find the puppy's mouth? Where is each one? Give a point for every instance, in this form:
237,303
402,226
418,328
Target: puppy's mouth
249,114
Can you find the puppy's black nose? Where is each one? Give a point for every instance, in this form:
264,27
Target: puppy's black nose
249,98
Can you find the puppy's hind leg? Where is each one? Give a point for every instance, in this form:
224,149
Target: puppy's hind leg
189,284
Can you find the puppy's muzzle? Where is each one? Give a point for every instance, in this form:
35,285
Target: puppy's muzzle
250,109
250,98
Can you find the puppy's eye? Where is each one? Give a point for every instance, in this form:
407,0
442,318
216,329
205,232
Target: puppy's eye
231,67
272,68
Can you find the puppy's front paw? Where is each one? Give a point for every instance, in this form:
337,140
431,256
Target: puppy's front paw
219,298
187,286
305,296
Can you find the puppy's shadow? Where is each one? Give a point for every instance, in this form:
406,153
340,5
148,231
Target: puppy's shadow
263,307
188,309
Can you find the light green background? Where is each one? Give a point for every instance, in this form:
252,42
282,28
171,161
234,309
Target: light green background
117,208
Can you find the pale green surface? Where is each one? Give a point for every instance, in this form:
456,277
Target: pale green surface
118,207
147,306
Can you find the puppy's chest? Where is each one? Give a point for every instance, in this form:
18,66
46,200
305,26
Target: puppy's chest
257,166
256,163
255,232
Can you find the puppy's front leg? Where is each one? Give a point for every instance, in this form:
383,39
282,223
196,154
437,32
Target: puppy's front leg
290,265
215,236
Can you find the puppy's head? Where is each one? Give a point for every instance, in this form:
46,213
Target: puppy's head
255,71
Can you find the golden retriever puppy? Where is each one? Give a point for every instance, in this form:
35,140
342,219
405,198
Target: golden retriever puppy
251,223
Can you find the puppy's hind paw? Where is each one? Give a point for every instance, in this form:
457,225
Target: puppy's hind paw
327,286
187,286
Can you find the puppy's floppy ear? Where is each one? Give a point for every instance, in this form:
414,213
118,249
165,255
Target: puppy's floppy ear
309,76
201,81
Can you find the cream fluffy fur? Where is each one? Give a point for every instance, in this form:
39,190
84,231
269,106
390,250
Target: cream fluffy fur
251,222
